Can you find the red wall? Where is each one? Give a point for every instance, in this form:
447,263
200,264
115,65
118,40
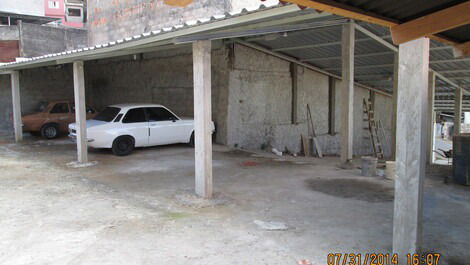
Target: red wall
9,50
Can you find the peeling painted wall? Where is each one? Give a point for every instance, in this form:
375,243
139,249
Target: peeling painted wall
117,19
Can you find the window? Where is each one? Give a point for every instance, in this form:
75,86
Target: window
74,12
107,114
88,109
53,4
134,116
60,108
160,114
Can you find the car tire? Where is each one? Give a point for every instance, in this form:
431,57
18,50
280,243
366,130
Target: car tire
50,131
191,140
123,145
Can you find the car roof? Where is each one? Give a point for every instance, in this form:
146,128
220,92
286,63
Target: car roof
135,105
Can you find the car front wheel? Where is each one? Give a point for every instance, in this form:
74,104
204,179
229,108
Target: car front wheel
123,145
50,131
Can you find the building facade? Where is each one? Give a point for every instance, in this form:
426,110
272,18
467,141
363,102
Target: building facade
117,19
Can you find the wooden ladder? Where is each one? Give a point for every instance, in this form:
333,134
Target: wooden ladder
372,128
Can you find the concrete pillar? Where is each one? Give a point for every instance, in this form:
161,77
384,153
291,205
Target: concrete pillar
458,111
394,110
331,105
80,111
431,117
202,117
412,110
15,94
347,92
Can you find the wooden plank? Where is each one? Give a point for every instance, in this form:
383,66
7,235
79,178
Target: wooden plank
439,21
344,10
305,145
317,147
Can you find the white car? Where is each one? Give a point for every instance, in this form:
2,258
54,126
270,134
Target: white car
125,126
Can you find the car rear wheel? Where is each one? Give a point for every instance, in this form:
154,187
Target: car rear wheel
123,145
50,131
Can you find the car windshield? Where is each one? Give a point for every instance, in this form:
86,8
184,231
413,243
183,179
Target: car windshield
108,114
41,107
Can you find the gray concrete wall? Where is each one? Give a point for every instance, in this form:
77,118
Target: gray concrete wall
38,40
260,96
9,32
164,77
251,95
36,85
6,109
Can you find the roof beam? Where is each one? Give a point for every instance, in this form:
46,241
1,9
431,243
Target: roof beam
425,26
339,57
319,45
456,60
344,10
375,37
263,31
334,7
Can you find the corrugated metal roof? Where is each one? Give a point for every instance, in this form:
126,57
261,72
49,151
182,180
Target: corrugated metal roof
406,10
319,47
189,27
373,61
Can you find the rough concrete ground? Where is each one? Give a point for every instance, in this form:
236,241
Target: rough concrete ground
140,209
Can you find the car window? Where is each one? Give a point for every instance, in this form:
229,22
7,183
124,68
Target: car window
88,109
118,118
107,114
135,115
160,114
60,108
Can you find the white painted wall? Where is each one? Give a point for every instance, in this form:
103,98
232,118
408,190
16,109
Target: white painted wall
24,7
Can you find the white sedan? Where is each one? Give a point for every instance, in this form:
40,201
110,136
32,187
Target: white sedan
125,126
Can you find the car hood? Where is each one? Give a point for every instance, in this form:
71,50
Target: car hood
89,124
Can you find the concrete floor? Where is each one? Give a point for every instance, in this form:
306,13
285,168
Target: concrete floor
141,209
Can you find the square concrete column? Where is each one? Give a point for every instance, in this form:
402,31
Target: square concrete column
412,104
80,111
347,92
431,117
202,117
458,111
394,110
15,94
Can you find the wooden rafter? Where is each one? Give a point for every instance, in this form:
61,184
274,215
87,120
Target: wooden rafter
428,25
344,10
